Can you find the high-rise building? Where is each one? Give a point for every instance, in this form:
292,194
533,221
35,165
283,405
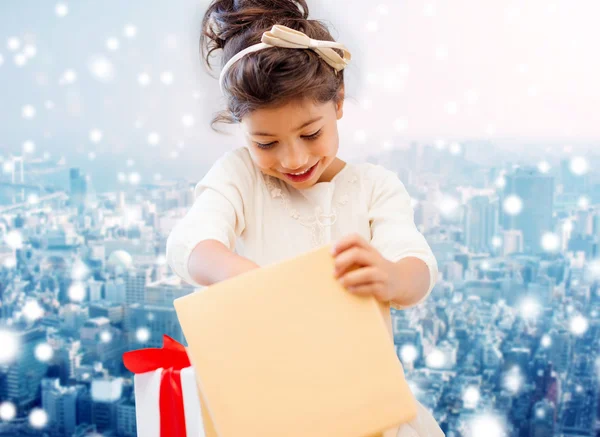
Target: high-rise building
78,188
104,411
115,290
84,406
126,421
69,357
481,223
135,284
60,403
24,375
560,349
535,193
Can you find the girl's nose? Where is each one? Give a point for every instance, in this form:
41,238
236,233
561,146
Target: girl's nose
294,160
295,166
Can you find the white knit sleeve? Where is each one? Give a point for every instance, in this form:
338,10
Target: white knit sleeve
393,230
221,199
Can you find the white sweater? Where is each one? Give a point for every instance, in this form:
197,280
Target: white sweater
266,220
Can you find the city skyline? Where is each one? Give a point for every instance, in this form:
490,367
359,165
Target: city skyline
507,341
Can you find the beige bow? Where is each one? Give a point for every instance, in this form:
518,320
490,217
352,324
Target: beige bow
283,36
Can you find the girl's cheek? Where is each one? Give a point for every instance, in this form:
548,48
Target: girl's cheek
265,161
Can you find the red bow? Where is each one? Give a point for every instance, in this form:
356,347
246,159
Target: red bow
172,357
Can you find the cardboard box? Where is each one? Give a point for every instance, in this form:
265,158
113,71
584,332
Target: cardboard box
287,350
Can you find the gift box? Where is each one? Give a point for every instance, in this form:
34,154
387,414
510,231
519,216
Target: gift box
167,401
286,350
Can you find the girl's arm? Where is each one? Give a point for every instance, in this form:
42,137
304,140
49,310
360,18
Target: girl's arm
222,198
211,262
395,235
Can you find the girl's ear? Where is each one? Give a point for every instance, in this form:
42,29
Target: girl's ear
339,107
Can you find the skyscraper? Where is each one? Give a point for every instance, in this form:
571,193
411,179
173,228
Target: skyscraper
23,377
60,403
481,223
136,280
77,188
535,191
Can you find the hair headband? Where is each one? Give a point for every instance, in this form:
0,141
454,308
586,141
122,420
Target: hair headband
282,36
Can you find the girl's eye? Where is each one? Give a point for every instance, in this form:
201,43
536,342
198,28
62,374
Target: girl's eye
314,136
308,137
264,146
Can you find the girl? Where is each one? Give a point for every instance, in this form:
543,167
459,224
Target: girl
286,192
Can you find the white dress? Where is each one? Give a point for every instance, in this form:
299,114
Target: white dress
266,220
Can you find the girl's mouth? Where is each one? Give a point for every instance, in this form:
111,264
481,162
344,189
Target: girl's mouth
301,177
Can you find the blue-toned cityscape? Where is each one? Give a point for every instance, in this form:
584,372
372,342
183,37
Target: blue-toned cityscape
486,111
507,344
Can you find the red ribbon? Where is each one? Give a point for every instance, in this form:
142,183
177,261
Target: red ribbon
172,357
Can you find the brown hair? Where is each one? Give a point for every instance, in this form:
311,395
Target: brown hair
273,76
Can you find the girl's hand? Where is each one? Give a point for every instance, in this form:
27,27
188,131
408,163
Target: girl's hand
362,269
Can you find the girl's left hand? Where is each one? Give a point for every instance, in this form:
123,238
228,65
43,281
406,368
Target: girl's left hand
362,269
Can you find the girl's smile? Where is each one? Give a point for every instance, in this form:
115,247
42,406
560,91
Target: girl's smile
302,176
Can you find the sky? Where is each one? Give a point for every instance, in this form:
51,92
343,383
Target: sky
122,82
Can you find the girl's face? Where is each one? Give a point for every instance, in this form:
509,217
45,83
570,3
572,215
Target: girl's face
294,138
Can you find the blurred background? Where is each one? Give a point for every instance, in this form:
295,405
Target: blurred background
487,111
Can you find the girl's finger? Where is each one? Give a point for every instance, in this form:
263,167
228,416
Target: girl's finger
375,289
344,243
372,289
362,276
354,256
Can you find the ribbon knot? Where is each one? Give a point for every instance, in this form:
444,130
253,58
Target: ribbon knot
283,36
171,356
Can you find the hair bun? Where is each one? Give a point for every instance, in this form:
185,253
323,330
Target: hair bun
227,19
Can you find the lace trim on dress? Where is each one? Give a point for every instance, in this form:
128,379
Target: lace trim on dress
318,221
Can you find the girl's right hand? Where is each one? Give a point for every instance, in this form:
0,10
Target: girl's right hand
211,262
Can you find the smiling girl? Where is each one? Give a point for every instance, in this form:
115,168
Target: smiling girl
286,191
